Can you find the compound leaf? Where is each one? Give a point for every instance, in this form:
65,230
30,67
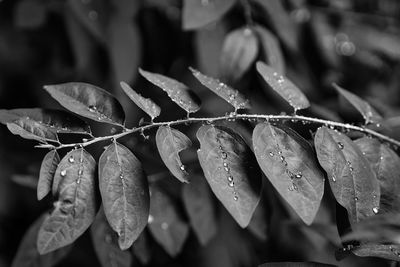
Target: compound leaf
230,95
75,208
177,91
170,142
369,114
27,254
145,104
231,171
199,206
88,101
283,86
124,191
166,223
46,174
289,163
352,180
239,51
197,14
105,243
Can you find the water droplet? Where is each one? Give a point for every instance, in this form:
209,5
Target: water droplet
224,155
71,159
226,169
225,164
121,175
150,219
164,226
78,181
231,184
298,175
290,188
333,178
375,210
282,158
235,197
340,145
351,169
183,168
295,187
80,172
63,173
271,154
92,108
81,160
355,198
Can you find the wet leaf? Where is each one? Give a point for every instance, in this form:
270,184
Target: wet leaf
295,264
199,13
230,95
231,171
141,248
31,130
239,51
124,191
88,101
75,208
47,171
352,180
385,162
105,243
145,104
283,86
170,142
177,91
389,252
166,223
289,163
28,255
200,208
369,114
271,51
57,121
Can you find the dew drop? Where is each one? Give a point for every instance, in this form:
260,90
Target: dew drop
63,173
334,178
351,169
290,188
340,145
150,219
121,175
231,184
80,172
92,108
183,168
271,154
299,175
230,178
71,159
226,169
375,210
78,181
355,198
224,155
164,226
236,198
225,164
282,158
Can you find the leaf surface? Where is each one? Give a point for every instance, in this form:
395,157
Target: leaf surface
177,91
369,114
283,86
124,191
75,208
88,101
145,104
197,14
295,264
105,242
46,174
230,95
170,142
231,171
28,129
166,223
289,163
351,178
200,208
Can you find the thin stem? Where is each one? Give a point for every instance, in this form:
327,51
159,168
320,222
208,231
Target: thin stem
294,118
247,12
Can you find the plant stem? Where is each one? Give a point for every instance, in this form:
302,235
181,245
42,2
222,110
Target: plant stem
247,12
232,116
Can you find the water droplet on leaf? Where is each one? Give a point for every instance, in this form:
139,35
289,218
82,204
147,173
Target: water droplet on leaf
63,173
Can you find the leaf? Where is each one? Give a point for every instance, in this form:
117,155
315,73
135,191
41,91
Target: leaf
124,191
166,223
75,208
47,171
145,104
352,180
124,47
271,50
239,51
295,264
289,163
283,86
369,113
385,162
27,254
30,14
141,248
231,171
57,121
105,242
170,142
390,252
230,95
199,13
31,130
177,91
199,206
88,101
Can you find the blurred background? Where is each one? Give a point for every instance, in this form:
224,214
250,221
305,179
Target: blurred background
354,43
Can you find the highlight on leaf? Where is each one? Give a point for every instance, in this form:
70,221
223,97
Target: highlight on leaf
283,86
75,208
369,114
88,101
145,104
124,191
46,174
289,163
32,130
231,171
170,142
230,95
